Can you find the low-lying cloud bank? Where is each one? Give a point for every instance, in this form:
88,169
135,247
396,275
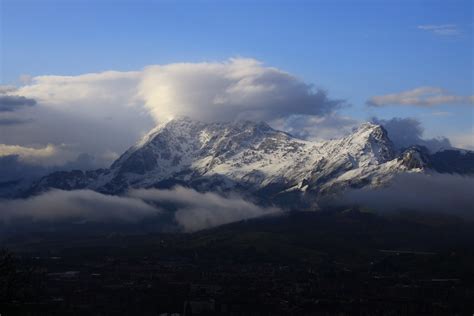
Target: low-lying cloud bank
194,210
87,205
198,211
429,193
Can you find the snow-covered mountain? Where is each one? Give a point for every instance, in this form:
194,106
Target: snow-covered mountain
255,159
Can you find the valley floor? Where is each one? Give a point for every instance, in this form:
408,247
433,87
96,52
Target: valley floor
303,263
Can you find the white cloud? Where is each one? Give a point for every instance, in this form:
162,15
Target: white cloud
422,96
441,29
238,88
93,94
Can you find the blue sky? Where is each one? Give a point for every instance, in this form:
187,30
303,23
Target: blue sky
353,49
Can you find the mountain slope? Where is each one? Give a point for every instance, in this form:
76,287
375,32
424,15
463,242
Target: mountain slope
252,158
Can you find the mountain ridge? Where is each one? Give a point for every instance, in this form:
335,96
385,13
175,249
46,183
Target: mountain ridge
255,159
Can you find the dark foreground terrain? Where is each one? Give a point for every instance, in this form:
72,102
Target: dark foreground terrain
303,263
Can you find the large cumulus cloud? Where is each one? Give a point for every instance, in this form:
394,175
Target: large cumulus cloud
238,88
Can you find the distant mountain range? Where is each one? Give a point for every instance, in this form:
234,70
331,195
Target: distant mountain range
254,159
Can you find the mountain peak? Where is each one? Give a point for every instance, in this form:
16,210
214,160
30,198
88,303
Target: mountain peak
371,129
369,142
184,126
373,133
